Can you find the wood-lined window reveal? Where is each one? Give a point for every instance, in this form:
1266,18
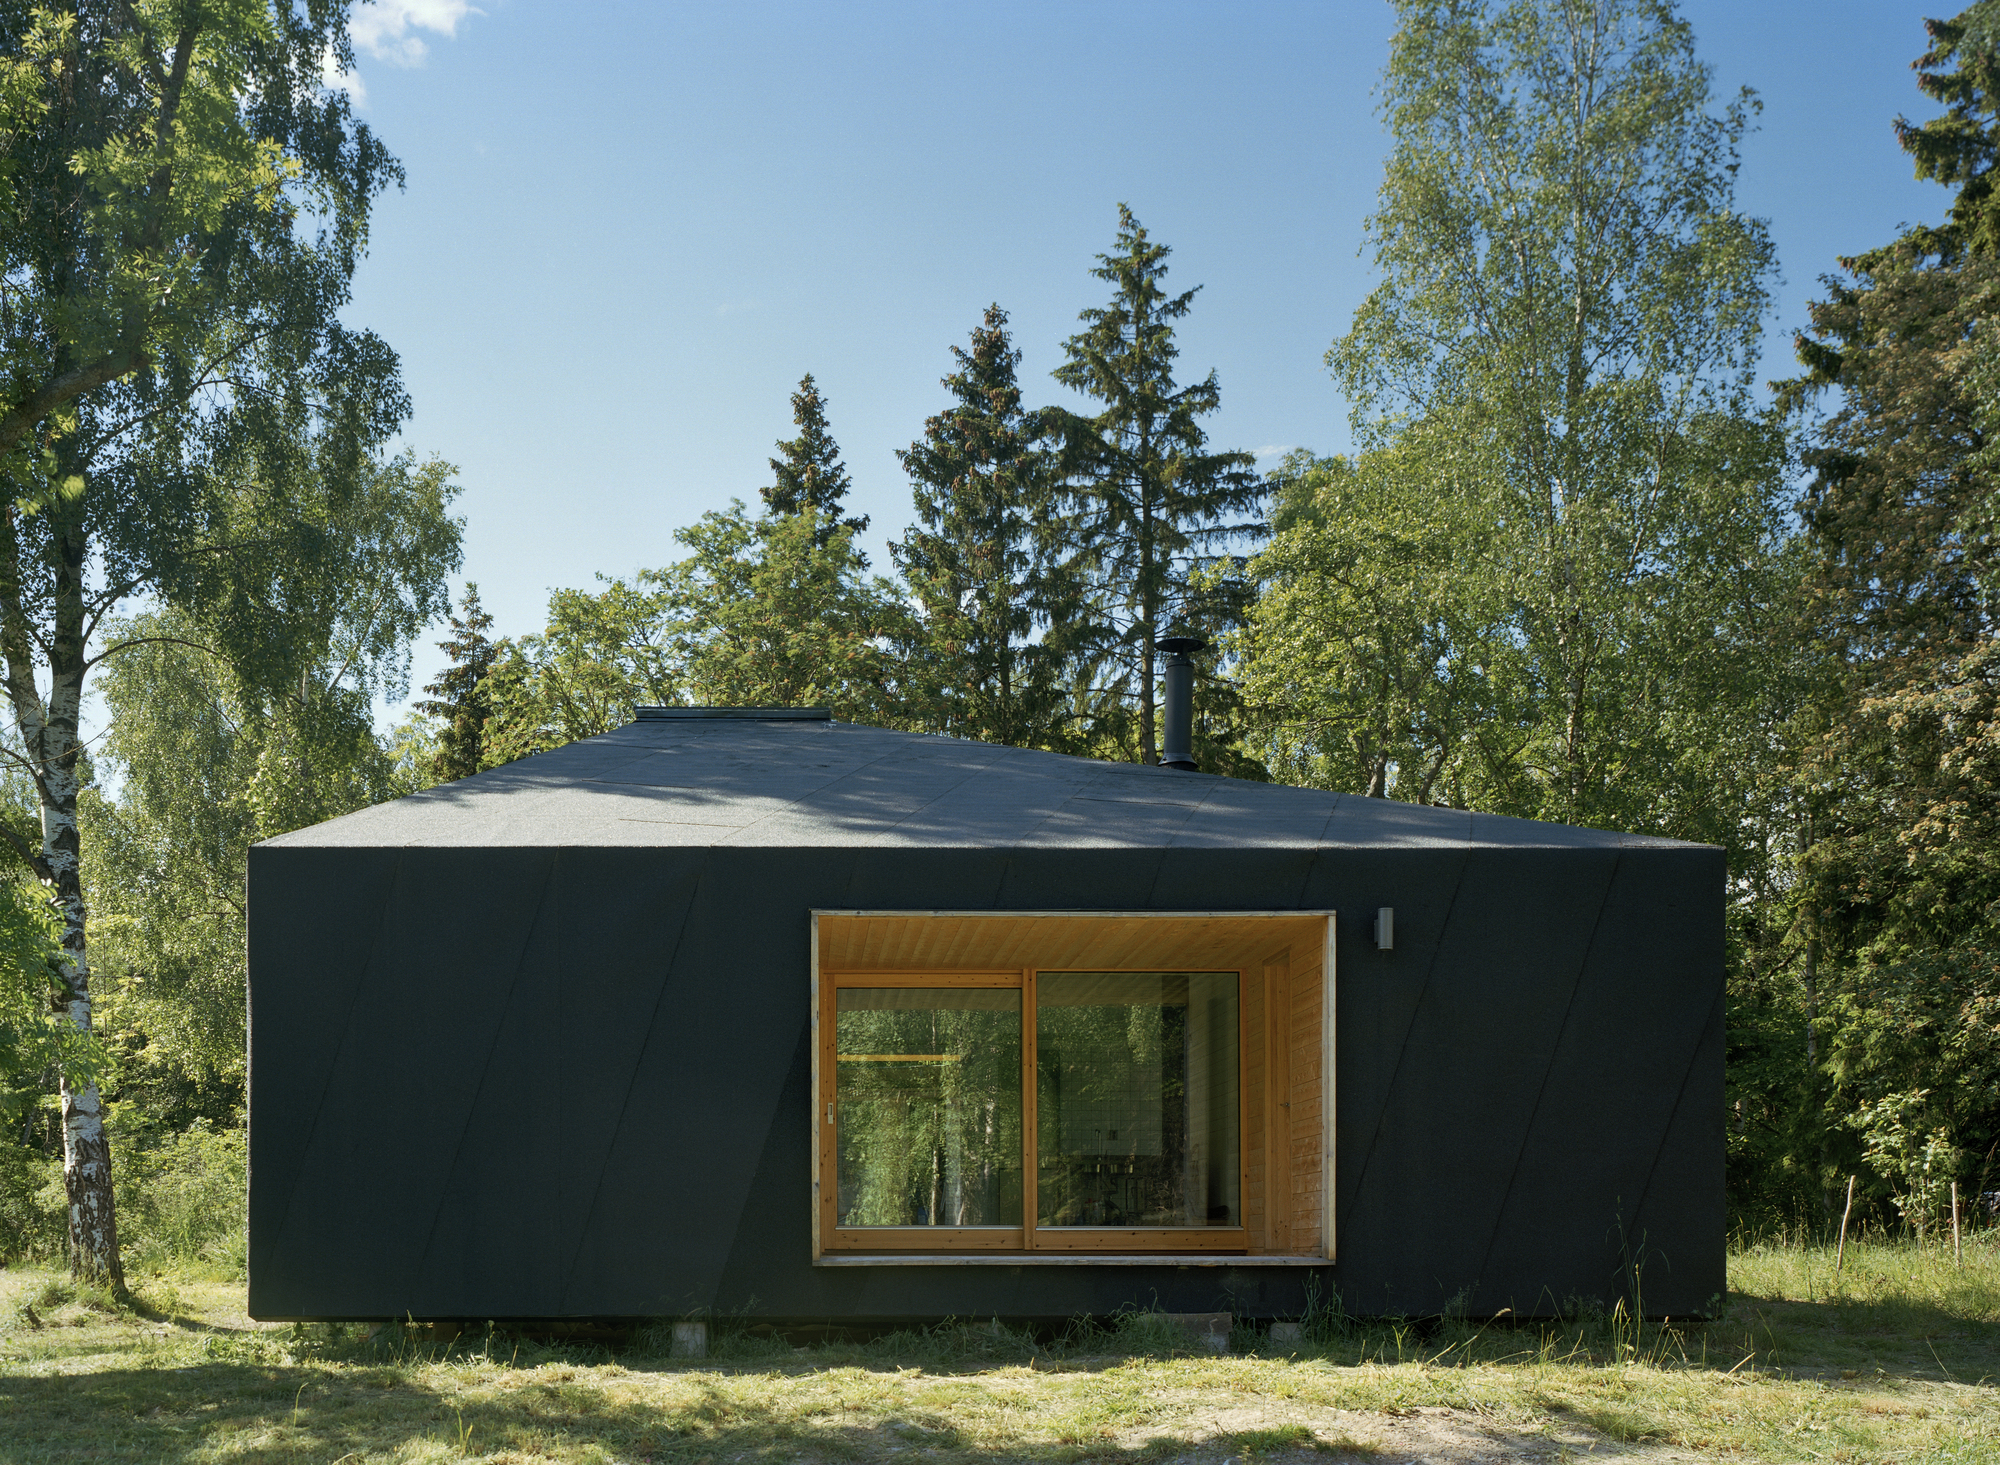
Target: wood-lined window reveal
1124,1107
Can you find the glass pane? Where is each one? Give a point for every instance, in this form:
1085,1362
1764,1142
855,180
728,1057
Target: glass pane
1136,1099
928,1086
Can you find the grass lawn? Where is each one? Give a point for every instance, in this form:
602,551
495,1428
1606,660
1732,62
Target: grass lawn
1896,1358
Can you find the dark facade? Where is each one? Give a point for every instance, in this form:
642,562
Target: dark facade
536,1044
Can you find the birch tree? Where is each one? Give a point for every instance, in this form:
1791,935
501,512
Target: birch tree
1571,302
207,763
182,413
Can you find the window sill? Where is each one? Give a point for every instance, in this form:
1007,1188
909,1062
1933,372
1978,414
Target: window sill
1065,1259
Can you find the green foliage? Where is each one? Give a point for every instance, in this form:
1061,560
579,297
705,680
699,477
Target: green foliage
204,771
1889,965
807,474
1145,498
598,657
778,612
206,763
1959,148
1562,579
1558,360
774,611
33,1224
1919,1163
183,414
996,600
183,1196
35,1042
1382,655
184,203
462,695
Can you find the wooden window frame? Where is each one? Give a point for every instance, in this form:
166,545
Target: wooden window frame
1290,978
1030,1235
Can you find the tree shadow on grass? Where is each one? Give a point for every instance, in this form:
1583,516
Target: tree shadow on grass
1899,1336
280,1413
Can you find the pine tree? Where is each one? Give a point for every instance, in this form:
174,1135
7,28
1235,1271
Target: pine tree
462,695
1145,495
809,474
979,562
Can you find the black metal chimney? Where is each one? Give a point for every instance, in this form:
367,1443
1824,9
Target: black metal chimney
1177,739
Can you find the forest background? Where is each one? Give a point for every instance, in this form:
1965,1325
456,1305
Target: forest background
1578,567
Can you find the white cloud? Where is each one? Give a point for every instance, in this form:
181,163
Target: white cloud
335,80
385,29
1270,452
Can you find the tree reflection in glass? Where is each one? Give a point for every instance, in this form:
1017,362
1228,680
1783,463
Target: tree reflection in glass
928,1089
1136,1099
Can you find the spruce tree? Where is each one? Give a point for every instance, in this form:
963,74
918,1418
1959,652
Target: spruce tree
809,473
980,562
1896,863
1961,72
462,696
1146,497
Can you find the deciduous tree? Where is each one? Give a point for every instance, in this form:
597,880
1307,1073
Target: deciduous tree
182,411
203,762
1378,654
1569,314
780,611
600,655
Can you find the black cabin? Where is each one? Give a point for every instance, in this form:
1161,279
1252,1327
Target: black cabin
749,1011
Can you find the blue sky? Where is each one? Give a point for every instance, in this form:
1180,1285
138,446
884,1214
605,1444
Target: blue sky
630,228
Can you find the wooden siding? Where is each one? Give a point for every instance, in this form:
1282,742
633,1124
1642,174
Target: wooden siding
1307,1115
1284,1032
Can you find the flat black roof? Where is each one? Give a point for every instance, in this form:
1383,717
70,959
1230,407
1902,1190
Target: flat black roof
804,783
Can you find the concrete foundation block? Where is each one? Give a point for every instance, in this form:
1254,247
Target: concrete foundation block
690,1340
1210,1330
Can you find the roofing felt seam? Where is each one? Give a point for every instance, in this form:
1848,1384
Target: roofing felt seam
1548,1070
631,1081
486,1063
1673,1116
333,1060
1409,1026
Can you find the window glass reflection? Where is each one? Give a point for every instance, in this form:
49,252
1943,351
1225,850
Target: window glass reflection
1136,1099
927,1089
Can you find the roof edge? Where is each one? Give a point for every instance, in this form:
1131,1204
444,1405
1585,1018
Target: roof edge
732,714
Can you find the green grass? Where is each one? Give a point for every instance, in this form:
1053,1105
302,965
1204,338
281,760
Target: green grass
1894,1358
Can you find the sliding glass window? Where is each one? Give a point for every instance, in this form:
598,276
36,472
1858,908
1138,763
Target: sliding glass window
1136,1099
928,1085
1074,1111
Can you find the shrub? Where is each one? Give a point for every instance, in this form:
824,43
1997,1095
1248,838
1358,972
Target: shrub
33,1222
182,1197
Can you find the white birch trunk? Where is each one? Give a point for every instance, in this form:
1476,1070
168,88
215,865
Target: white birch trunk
49,743
93,1223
